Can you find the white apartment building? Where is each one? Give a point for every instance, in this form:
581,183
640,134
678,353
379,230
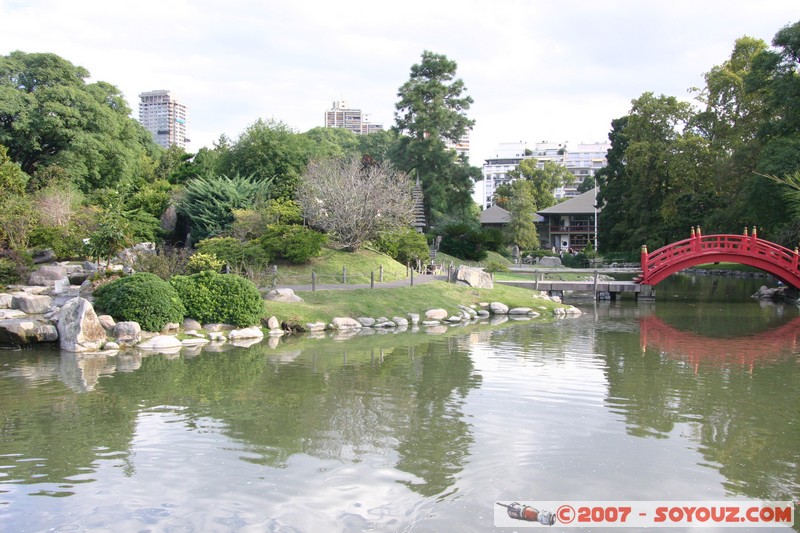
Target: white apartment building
164,117
582,160
342,116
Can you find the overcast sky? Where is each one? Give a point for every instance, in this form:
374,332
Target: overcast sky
555,71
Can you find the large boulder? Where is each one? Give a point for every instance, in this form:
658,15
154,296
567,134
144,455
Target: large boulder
549,262
32,304
283,295
47,275
474,277
79,329
436,314
246,333
127,333
24,331
498,308
345,322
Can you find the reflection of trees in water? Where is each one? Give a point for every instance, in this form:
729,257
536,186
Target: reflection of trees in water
51,435
746,416
340,401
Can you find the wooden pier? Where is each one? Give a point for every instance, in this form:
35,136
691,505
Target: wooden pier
597,287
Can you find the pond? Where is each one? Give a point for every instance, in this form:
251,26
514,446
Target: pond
691,397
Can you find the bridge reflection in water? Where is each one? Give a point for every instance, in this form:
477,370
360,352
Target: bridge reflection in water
746,351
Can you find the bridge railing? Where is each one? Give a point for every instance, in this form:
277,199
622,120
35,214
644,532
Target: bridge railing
699,245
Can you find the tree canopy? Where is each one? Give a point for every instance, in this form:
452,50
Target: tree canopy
50,116
430,113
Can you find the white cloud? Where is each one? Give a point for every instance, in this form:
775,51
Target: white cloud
536,70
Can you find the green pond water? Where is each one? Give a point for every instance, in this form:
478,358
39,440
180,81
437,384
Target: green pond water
693,397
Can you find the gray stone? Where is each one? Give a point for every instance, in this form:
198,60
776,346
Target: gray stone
24,331
366,321
573,311
436,314
400,321
413,318
5,300
110,346
191,323
272,323
7,314
483,313
47,275
246,333
315,326
468,310
282,295
344,322
384,324
31,304
497,308
520,311
43,256
79,329
170,328
216,336
217,327
474,277
549,262
276,333
108,323
431,323
128,333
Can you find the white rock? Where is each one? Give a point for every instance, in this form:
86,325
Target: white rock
160,342
497,308
345,322
246,333
436,314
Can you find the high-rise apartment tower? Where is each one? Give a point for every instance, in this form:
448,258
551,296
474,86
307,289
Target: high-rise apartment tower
163,116
341,116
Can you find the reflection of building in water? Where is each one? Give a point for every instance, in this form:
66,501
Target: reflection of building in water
766,346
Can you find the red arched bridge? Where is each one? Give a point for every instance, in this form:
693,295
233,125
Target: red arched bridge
699,249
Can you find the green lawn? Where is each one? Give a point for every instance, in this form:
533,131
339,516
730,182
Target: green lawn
328,268
325,305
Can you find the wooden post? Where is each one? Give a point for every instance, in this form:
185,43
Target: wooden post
274,275
313,281
595,285
344,274
536,280
412,277
380,274
372,279
644,261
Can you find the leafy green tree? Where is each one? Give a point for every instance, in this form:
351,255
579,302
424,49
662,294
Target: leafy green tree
50,115
18,218
521,229
430,113
404,245
332,142
208,202
543,181
12,179
269,151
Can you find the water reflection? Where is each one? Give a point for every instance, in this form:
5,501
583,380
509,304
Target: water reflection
763,347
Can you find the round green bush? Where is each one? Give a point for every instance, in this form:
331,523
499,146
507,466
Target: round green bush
210,297
292,243
144,298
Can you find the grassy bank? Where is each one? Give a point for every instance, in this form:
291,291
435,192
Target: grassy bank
325,305
328,268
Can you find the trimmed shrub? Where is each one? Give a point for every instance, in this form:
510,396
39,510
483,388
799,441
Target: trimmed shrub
404,246
142,297
296,244
210,297
200,262
238,255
